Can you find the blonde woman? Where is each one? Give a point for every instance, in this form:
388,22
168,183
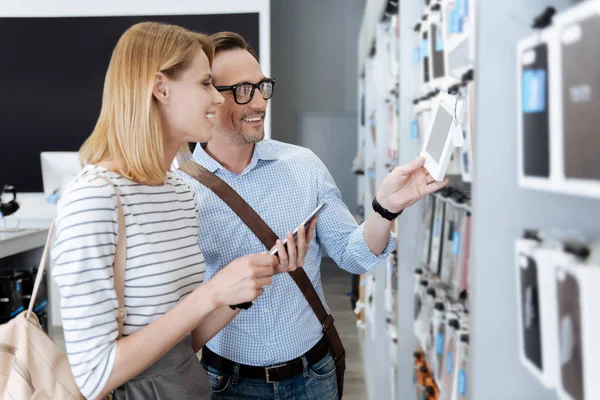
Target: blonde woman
157,97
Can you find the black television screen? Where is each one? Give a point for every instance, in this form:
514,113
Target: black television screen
52,76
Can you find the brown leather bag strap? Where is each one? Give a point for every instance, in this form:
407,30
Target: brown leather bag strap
268,238
233,200
120,260
260,229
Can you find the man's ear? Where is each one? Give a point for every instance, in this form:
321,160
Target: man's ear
160,90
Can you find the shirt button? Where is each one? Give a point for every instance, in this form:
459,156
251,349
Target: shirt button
268,343
265,310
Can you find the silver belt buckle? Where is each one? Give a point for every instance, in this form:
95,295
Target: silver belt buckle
267,369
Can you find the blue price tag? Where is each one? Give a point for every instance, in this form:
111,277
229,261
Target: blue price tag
425,48
416,56
436,227
414,129
534,91
455,22
463,7
449,362
439,40
440,343
456,243
462,383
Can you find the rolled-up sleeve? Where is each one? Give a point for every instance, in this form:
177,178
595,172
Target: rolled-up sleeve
338,231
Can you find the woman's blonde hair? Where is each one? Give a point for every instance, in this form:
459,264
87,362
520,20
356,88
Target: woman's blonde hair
128,131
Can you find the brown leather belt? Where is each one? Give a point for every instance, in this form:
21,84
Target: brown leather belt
275,373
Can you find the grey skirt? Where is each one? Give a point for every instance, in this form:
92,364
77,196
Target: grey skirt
177,375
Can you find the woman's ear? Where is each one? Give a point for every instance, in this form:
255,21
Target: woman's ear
160,90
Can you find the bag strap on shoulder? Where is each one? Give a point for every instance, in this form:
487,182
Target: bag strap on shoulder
119,263
262,231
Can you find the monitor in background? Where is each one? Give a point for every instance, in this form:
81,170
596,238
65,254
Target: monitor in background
58,168
54,106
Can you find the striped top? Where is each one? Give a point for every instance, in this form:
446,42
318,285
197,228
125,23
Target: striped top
164,263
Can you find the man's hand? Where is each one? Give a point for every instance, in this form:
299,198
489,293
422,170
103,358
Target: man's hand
296,249
407,184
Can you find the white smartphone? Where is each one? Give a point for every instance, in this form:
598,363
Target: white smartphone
306,223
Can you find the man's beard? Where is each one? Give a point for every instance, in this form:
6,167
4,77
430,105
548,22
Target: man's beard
241,138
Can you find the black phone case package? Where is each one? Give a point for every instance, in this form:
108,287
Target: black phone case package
578,297
558,102
536,294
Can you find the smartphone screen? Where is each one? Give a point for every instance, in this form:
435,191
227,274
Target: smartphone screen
306,224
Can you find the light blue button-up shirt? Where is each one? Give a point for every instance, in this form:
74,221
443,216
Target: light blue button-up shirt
284,184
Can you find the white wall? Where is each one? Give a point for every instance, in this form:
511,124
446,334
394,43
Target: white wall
314,52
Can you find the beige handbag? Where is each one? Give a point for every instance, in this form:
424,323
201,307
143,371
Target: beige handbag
32,366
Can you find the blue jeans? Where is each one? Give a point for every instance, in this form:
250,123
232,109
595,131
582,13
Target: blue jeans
318,382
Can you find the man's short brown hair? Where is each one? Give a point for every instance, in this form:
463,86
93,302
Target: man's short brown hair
230,40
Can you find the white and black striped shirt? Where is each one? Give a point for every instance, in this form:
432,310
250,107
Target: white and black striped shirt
164,263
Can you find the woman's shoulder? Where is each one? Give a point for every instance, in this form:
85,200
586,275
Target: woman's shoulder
90,180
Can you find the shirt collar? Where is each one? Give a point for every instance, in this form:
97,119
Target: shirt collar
262,151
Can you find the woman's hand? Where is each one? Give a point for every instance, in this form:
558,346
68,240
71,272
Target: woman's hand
243,279
407,184
296,248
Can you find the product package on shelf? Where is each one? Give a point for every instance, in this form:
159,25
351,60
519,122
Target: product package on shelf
466,160
437,236
416,57
439,329
420,125
451,339
370,305
558,103
395,48
434,295
427,213
577,283
437,68
359,310
420,373
392,124
390,284
462,368
425,57
458,33
451,215
536,298
462,243
558,280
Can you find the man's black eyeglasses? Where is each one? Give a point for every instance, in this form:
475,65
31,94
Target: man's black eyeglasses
244,92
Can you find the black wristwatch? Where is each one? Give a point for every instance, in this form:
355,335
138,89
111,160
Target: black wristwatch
390,216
